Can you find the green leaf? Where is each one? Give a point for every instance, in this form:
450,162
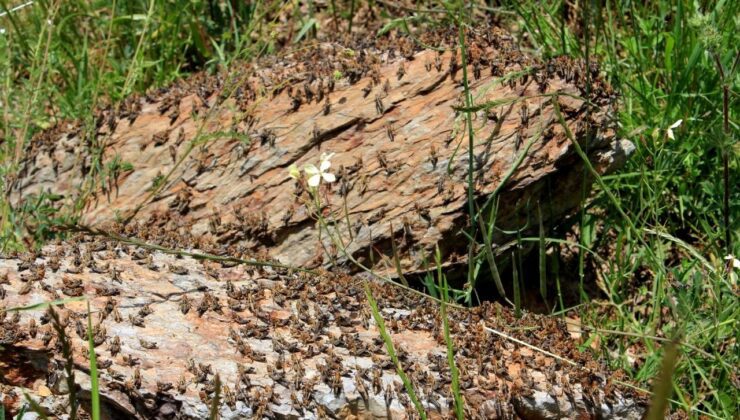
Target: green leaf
669,44
306,27
43,305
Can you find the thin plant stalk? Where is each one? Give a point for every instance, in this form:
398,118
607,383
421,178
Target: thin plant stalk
392,353
68,362
663,384
454,374
216,400
471,157
542,259
94,384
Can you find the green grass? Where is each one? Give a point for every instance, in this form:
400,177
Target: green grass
652,238
670,217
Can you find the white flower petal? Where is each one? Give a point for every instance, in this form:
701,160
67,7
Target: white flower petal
314,180
329,177
675,124
670,134
325,162
311,170
735,262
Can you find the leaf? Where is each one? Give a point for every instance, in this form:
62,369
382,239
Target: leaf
394,23
43,305
306,27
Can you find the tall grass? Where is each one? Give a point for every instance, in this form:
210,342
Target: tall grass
670,217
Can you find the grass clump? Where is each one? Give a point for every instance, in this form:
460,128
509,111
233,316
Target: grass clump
666,226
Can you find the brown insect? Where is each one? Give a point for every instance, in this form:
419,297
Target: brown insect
175,269
173,152
99,335
137,378
476,70
25,289
115,346
390,132
185,305
438,62
163,387
377,380
361,389
388,396
149,345
161,137
518,138
182,384
316,133
107,291
433,157
54,263
379,105
401,71
137,321
524,115
386,86
32,328
295,104
382,160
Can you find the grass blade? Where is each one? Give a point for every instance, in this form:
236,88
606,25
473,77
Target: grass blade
35,406
216,401
455,385
664,383
94,384
542,260
44,305
517,292
488,249
396,261
392,353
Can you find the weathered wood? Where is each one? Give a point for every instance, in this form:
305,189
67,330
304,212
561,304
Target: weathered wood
386,110
307,344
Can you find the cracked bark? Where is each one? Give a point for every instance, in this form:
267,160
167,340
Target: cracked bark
401,152
303,334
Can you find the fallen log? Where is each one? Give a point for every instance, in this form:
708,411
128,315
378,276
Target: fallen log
207,158
283,345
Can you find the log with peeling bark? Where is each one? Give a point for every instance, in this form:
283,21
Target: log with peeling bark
207,158
283,345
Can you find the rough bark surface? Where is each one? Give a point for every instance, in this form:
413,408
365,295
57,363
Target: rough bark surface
209,155
283,345
203,165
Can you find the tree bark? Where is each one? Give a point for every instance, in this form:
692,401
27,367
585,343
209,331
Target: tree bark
307,344
206,160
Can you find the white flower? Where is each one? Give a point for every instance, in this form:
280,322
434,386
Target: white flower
316,174
734,261
2,31
669,132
